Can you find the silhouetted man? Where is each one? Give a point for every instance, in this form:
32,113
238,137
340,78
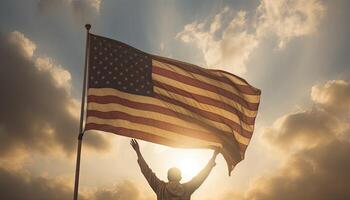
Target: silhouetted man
172,190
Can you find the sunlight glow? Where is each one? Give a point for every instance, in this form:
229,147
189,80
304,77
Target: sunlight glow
189,168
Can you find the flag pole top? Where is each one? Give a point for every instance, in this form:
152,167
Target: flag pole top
87,26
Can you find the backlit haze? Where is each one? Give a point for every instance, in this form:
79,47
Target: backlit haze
296,52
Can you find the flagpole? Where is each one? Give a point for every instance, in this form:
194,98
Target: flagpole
82,108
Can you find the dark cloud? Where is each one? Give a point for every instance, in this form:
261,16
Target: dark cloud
316,146
320,173
326,120
37,110
302,129
22,186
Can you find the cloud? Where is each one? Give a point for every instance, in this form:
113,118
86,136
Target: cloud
233,47
123,190
315,145
289,19
319,173
334,96
228,40
83,10
37,110
303,129
23,186
329,118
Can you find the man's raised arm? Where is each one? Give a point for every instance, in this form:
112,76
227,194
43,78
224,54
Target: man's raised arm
197,181
151,178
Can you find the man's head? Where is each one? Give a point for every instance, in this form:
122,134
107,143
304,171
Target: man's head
174,174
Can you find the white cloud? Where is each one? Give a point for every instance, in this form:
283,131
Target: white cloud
231,50
229,46
289,19
334,96
61,76
26,46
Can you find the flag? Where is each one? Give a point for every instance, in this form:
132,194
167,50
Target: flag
165,101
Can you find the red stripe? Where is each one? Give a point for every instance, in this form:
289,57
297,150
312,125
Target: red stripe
209,115
152,108
154,123
247,89
205,86
206,100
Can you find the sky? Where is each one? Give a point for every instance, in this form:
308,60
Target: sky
296,52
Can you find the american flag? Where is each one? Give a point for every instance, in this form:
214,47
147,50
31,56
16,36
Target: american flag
169,102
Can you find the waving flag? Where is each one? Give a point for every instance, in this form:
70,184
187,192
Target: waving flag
164,101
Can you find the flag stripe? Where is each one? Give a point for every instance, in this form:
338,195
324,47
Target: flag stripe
209,115
190,102
156,105
155,123
140,111
195,90
228,87
206,100
205,86
141,135
108,111
151,129
218,75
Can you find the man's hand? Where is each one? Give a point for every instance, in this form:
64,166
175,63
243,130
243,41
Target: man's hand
135,146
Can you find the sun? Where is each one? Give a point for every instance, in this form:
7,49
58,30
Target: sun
189,168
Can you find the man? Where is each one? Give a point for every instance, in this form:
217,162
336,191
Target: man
172,190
